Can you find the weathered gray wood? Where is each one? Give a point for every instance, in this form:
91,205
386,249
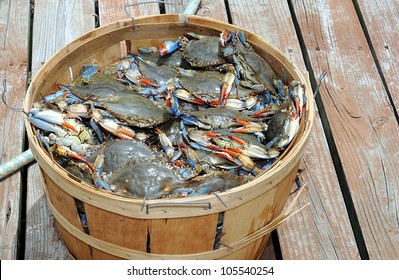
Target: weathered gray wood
362,123
55,24
112,10
213,9
321,231
382,21
13,42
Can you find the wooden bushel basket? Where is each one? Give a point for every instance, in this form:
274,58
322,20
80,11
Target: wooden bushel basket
185,228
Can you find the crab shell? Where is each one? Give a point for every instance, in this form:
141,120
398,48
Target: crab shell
205,52
100,87
157,74
118,152
146,178
258,66
135,109
204,84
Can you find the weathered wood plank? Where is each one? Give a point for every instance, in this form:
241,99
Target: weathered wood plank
13,41
313,233
382,22
212,9
363,126
55,24
113,10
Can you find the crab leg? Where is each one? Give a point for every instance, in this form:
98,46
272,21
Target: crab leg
166,144
192,157
227,85
194,144
172,104
121,131
191,120
249,127
52,116
46,126
66,152
298,96
240,159
168,47
54,96
98,169
186,96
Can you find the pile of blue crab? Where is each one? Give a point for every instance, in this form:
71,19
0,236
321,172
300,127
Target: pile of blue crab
199,115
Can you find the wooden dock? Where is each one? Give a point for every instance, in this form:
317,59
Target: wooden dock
350,166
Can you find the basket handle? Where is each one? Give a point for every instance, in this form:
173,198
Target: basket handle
207,205
145,2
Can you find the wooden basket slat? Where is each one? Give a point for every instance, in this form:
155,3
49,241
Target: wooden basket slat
283,190
77,248
101,255
183,235
124,231
245,253
63,202
248,217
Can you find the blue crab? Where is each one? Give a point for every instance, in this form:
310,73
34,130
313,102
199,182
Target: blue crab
283,126
251,66
124,104
145,178
204,85
204,52
117,152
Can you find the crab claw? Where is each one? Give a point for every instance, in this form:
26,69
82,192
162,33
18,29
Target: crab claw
249,127
66,152
148,83
224,35
245,162
299,97
166,144
234,104
261,113
172,104
227,85
88,70
258,152
187,119
98,169
54,117
239,140
186,96
202,139
43,125
168,47
120,131
54,96
192,157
